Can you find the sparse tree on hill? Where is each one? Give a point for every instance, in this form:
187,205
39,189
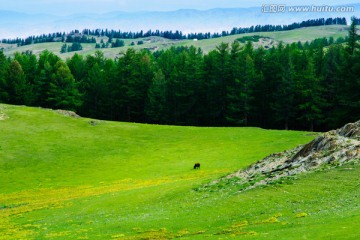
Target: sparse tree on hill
118,43
64,48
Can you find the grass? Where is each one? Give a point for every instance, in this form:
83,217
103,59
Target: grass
302,35
273,38
63,178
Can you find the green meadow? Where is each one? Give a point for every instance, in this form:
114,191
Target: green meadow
77,178
302,35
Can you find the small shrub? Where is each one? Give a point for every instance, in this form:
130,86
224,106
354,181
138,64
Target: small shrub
254,38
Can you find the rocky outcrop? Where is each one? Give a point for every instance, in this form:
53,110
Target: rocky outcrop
330,149
3,115
68,113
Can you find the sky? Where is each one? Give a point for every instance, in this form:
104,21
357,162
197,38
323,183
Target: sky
67,7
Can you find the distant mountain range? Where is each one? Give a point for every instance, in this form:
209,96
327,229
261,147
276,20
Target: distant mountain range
16,24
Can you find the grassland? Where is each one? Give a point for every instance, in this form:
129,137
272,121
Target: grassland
302,34
68,178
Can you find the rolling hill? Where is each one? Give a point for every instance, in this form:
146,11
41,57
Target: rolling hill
158,43
64,177
19,24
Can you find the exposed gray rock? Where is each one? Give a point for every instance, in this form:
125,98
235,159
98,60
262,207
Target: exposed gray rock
68,113
330,149
3,115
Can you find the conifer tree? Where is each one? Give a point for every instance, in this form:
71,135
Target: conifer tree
64,48
4,65
246,88
233,112
130,90
17,87
284,94
332,82
156,106
45,70
216,77
351,92
352,43
63,92
310,93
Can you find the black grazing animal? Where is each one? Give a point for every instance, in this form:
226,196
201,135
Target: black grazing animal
197,166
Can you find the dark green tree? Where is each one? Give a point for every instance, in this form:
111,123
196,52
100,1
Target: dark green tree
283,105
185,83
265,92
64,48
118,43
45,70
77,66
332,82
91,74
351,95
4,66
233,113
63,92
311,101
352,43
260,95
216,77
29,64
246,88
17,87
129,91
157,106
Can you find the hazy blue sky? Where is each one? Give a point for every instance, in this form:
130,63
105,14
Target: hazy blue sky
65,7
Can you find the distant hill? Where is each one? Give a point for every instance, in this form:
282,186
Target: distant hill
158,43
15,24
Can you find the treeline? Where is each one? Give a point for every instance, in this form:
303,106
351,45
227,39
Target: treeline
293,86
54,37
276,28
79,39
200,36
75,36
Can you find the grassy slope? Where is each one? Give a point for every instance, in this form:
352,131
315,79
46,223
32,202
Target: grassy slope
303,34
62,178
